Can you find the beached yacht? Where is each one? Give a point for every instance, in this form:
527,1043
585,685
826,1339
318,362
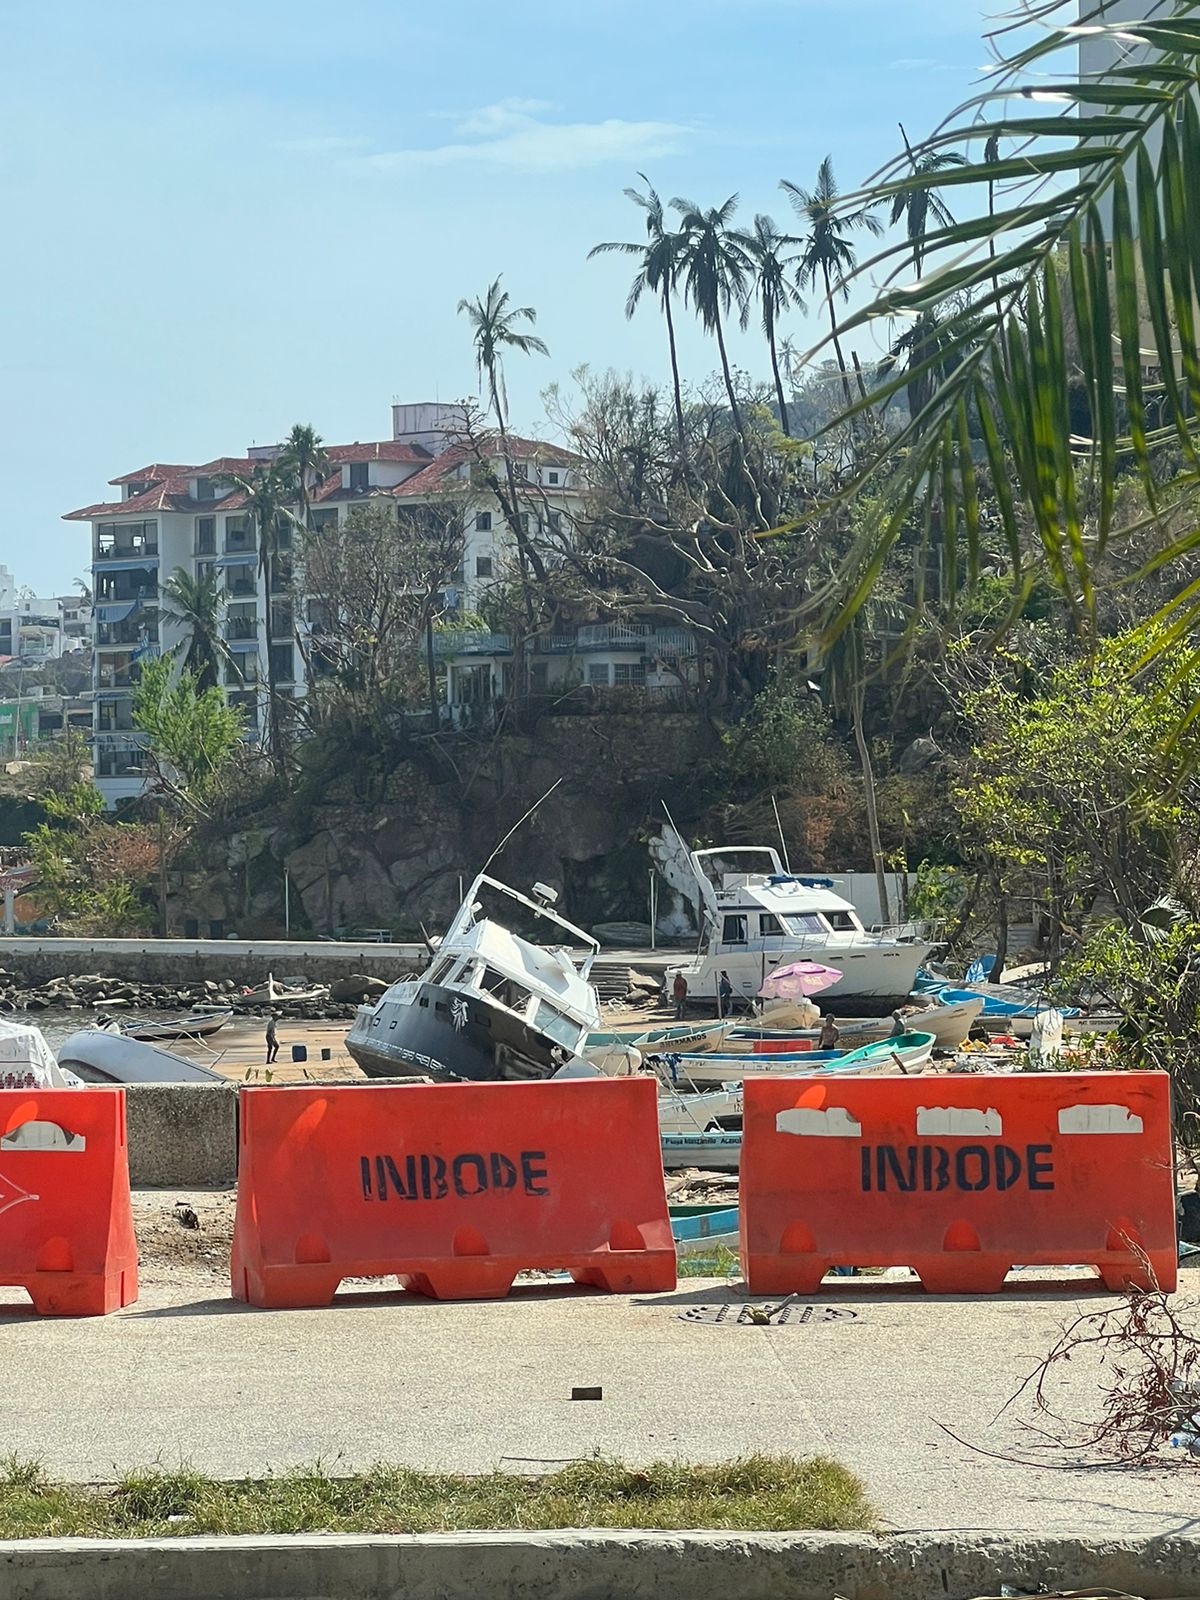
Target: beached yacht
492,1003
757,916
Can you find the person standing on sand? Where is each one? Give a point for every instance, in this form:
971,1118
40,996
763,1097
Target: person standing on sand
272,1039
679,992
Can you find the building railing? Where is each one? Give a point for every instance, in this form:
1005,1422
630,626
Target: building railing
468,642
611,635
127,552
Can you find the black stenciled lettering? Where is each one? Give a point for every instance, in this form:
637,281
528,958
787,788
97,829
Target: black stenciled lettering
470,1163
504,1173
1008,1167
531,1173
364,1167
935,1168
433,1178
888,1159
1038,1167
962,1176
865,1158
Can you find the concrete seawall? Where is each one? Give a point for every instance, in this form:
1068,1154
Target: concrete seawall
182,1135
583,1565
187,961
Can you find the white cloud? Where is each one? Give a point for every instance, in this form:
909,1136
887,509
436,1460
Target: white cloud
516,134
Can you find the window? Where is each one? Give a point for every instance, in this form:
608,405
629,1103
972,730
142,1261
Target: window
241,669
206,488
806,923
527,522
563,1030
483,522
206,536
360,475
205,570
323,520
842,921
237,533
769,926
520,471
483,566
735,930
552,477
320,615
555,520
281,619
629,672
282,664
598,674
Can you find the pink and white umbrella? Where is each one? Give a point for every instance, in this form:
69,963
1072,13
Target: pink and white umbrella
799,980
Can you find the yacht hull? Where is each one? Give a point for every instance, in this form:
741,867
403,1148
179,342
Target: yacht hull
421,1030
874,977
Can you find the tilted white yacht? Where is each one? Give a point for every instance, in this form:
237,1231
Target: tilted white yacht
492,1004
757,916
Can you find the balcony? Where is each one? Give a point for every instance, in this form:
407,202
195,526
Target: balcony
241,628
134,555
246,587
127,634
612,636
468,642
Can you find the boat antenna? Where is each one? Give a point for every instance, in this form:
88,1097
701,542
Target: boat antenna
787,865
518,823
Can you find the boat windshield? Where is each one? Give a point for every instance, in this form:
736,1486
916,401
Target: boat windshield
808,922
563,1030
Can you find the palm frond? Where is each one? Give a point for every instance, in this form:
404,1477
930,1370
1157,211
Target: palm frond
1092,280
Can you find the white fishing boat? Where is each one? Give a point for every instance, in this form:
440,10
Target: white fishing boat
710,1152
757,916
696,1113
949,1023
105,1055
907,1052
192,1025
492,1004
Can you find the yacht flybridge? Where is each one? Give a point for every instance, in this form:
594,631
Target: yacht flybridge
757,916
492,1004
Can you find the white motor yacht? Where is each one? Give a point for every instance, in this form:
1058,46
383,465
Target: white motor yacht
757,916
492,1004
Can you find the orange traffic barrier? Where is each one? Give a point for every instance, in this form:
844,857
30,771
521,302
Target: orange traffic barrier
781,1047
66,1223
959,1178
454,1188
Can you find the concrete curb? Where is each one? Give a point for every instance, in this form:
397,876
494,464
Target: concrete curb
588,1565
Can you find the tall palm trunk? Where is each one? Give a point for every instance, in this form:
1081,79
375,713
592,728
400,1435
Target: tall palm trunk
674,364
274,720
868,776
733,405
783,411
837,343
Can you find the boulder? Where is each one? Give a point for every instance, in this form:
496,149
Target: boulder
356,988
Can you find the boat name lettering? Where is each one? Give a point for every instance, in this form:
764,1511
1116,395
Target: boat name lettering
429,1177
930,1168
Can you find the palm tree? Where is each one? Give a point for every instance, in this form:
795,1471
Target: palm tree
657,273
828,255
303,461
714,264
917,205
195,604
774,291
1098,270
494,330
266,494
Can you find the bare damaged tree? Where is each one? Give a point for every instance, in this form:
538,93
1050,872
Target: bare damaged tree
376,589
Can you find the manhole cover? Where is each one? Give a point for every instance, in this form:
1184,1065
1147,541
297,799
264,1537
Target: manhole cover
750,1316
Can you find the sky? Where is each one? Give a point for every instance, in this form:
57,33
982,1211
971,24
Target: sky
227,217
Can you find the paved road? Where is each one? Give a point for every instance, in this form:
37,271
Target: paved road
189,1375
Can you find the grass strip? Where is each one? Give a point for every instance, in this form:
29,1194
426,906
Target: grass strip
755,1493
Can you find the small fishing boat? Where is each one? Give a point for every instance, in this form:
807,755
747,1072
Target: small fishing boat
711,1152
281,996
906,1052
950,1023
192,1025
705,1231
1014,1009
697,1113
105,1055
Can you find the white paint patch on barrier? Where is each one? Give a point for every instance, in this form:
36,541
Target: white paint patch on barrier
965,1121
808,1121
1098,1119
42,1136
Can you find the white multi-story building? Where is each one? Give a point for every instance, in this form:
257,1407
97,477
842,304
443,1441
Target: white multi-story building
194,518
35,630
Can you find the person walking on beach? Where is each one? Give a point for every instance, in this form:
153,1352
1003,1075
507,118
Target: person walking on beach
725,996
830,1034
272,1039
679,992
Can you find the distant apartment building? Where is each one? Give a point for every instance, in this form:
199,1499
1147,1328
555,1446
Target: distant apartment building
193,517
34,630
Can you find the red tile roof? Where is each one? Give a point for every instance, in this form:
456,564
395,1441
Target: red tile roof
168,489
